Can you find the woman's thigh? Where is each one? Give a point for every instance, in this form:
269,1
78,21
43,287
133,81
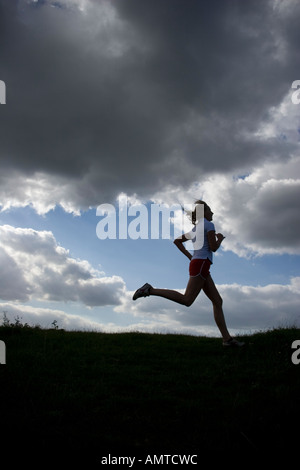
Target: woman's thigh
211,291
194,287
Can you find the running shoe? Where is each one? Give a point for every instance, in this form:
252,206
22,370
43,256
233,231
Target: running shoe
233,343
142,291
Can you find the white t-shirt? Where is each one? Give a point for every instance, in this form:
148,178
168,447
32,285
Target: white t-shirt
198,235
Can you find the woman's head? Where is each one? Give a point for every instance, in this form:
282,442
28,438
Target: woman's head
197,213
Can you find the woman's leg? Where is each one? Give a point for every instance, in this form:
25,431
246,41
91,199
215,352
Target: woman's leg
193,289
212,293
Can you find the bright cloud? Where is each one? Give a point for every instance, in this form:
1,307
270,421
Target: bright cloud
258,213
38,268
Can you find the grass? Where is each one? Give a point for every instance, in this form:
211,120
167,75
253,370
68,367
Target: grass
90,394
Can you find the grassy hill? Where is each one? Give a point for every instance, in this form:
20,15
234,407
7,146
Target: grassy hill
78,394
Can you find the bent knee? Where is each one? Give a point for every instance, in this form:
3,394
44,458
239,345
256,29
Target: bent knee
189,301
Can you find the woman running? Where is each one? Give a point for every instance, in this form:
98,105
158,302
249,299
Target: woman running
200,277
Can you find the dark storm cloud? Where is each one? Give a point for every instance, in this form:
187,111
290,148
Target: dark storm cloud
134,95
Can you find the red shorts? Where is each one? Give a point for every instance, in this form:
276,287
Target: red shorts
200,267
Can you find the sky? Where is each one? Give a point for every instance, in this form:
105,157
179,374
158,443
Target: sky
148,102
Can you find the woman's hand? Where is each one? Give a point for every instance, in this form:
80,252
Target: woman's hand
179,243
214,240
220,237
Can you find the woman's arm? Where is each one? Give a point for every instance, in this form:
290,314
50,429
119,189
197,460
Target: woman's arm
179,243
214,240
